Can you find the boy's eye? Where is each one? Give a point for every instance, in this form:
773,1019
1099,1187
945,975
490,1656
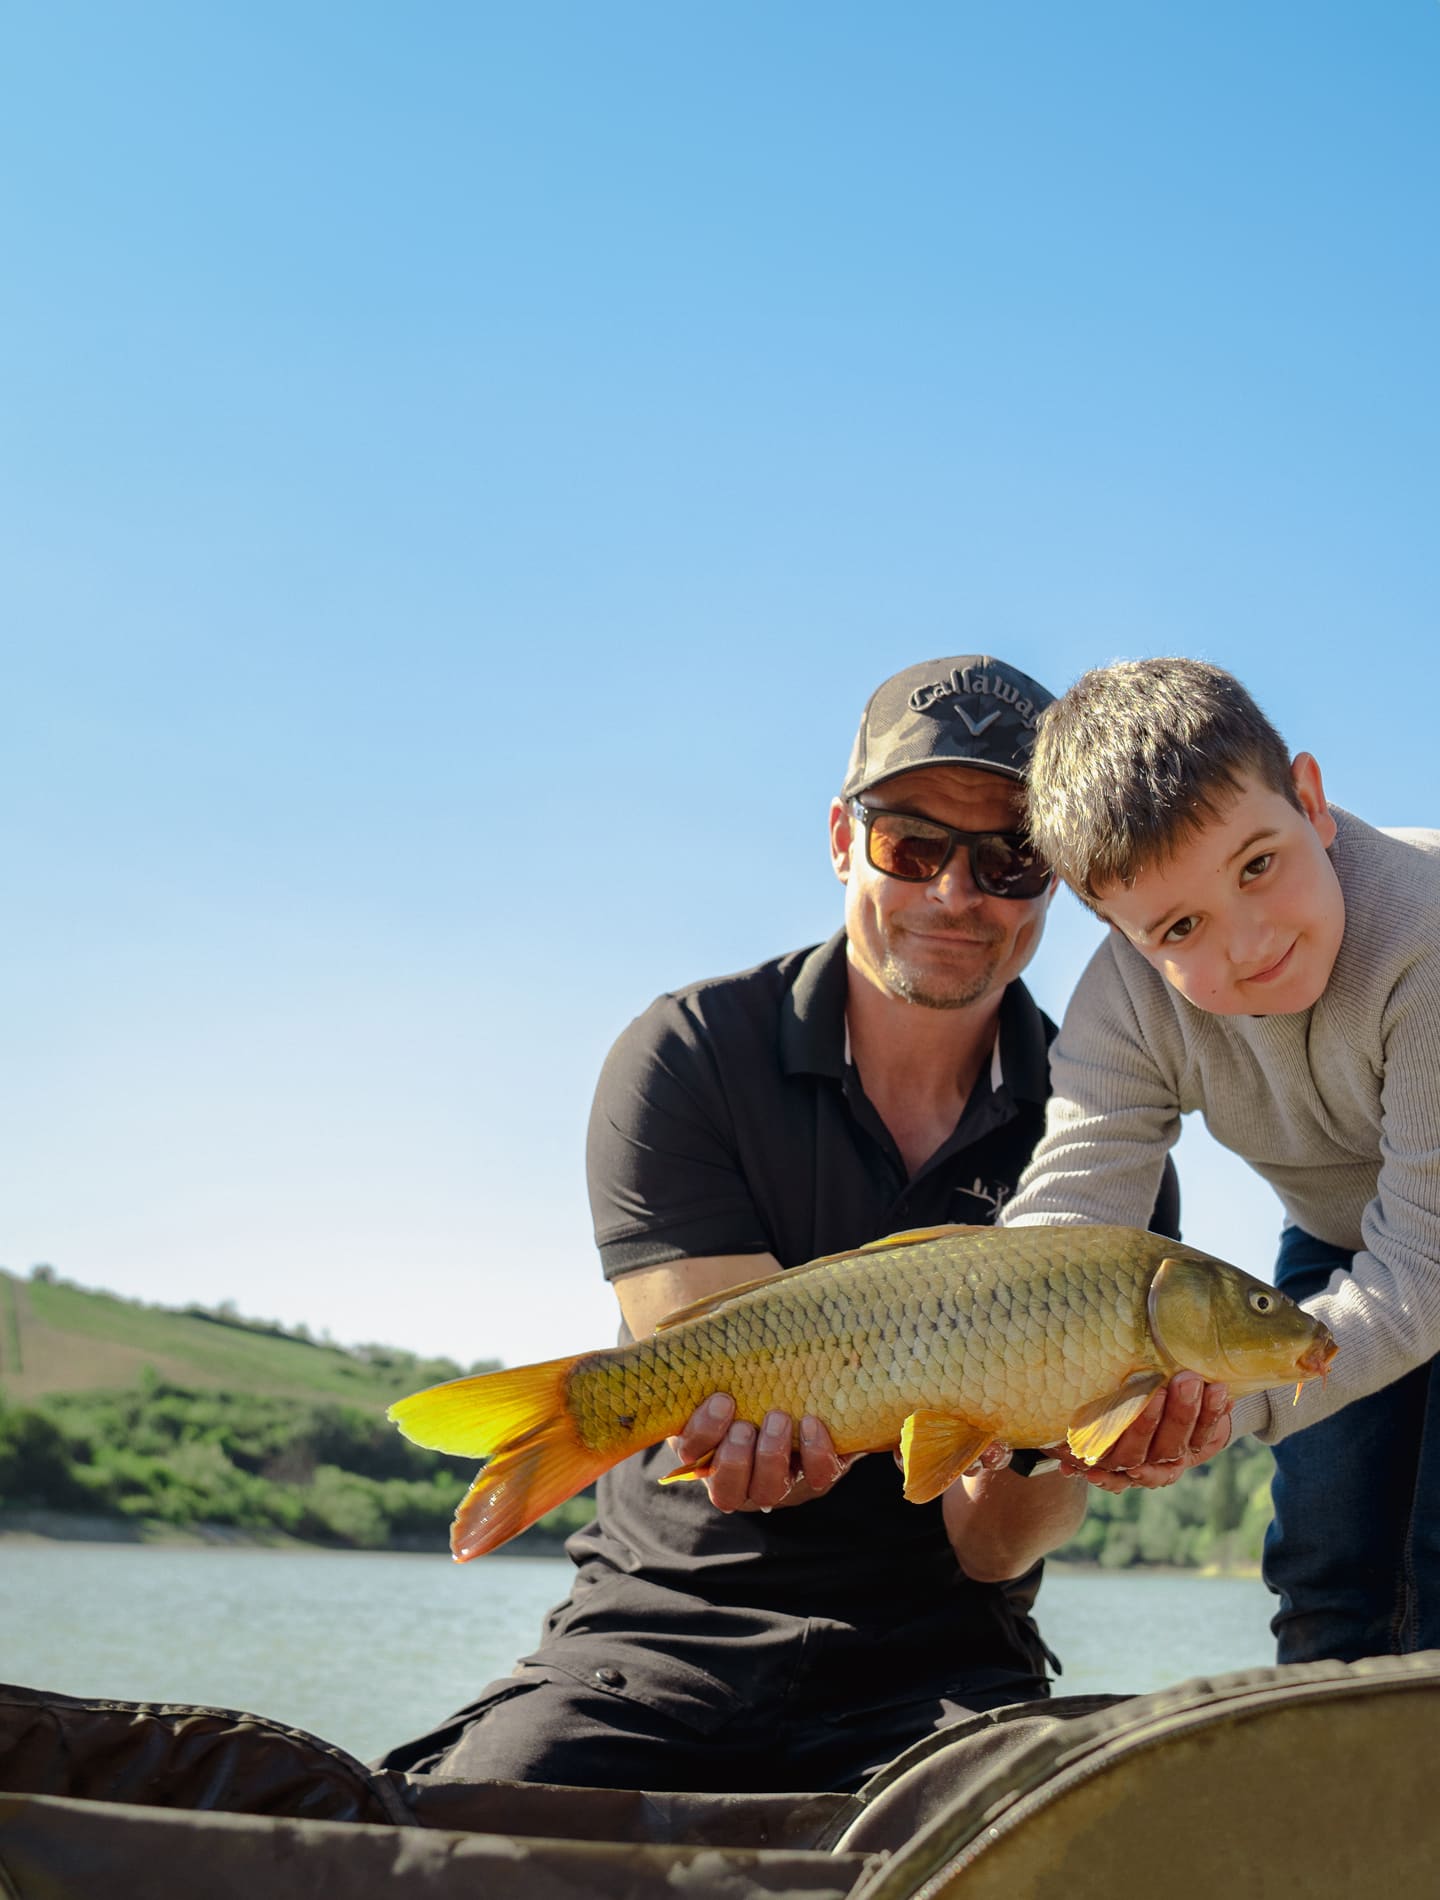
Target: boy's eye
1179,930
1257,867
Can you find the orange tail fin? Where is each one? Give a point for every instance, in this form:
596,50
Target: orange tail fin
518,1420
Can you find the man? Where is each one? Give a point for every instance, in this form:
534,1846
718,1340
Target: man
800,1624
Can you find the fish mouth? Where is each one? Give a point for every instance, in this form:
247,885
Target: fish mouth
1316,1357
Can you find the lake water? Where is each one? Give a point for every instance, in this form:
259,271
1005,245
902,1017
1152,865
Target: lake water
366,1649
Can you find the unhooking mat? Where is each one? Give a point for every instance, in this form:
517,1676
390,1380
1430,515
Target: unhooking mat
1314,1781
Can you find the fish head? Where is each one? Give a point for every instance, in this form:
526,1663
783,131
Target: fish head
1209,1317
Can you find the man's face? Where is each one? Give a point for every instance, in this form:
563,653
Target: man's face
945,944
1246,917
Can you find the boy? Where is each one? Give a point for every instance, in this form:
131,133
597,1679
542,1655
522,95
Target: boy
1275,964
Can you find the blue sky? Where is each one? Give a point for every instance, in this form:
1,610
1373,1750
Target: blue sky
463,468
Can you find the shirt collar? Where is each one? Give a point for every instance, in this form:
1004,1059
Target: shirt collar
813,1039
812,1014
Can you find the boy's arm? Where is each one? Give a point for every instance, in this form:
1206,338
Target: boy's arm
1113,1116
1114,1111
1385,1312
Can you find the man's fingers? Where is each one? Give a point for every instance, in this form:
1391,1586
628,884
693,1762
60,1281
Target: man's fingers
704,1429
729,1478
993,1458
752,1470
771,1479
820,1463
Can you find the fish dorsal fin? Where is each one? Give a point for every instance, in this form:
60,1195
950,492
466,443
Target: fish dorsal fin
1096,1426
712,1302
935,1447
697,1309
910,1237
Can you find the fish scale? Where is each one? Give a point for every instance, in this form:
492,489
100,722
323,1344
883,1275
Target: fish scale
920,1331
936,1342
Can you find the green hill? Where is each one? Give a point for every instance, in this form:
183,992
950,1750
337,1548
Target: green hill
151,1417
58,1338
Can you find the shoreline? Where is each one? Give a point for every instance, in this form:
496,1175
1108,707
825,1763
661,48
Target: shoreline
44,1527
41,1527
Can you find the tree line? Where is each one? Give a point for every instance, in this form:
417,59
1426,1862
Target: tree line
329,1473
340,1474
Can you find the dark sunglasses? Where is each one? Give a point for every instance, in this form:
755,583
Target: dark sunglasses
1002,863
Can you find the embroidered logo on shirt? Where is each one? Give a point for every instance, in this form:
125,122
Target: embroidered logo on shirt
994,1195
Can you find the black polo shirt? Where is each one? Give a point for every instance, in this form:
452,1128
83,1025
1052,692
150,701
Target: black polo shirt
728,1119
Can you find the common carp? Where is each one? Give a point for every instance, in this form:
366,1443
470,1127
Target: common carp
940,1342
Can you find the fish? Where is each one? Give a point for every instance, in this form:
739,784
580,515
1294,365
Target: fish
937,1342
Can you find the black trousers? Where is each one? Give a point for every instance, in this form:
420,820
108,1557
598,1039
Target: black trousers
652,1689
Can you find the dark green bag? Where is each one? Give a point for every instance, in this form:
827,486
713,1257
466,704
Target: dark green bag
1310,1781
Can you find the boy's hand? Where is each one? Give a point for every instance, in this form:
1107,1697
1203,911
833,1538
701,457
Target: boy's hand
752,1471
1185,1423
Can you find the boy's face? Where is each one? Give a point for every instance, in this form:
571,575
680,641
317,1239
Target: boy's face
1246,917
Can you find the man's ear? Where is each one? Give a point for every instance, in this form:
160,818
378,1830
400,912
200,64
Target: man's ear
842,838
1310,790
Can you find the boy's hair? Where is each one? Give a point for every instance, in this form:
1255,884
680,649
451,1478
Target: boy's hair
1135,758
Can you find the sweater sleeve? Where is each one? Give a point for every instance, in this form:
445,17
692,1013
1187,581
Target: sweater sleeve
1113,1113
1385,1312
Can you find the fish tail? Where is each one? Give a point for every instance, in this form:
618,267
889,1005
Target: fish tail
519,1421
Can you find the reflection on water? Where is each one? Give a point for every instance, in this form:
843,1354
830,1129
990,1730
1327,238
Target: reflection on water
1129,1632
365,1649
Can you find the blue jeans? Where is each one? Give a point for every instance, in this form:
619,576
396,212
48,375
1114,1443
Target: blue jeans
1353,1551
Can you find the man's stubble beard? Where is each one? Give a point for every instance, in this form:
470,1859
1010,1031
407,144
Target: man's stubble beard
928,991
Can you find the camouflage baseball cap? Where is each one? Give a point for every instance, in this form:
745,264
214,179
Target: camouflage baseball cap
974,710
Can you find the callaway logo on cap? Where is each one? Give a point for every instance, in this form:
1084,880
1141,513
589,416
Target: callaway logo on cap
973,710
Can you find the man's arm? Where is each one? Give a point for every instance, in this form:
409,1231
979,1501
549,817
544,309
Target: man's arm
651,1294
750,1471
1000,1524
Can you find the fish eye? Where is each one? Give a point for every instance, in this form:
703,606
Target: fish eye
1262,1302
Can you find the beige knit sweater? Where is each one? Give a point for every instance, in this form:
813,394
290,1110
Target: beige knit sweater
1337,1107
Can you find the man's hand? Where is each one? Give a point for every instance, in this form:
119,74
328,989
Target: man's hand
754,1471
1185,1423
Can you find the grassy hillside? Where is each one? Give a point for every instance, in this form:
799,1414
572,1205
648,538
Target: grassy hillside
152,1417
57,1338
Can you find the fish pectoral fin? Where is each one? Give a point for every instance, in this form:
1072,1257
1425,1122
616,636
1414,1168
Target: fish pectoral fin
1096,1426
697,1468
935,1447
